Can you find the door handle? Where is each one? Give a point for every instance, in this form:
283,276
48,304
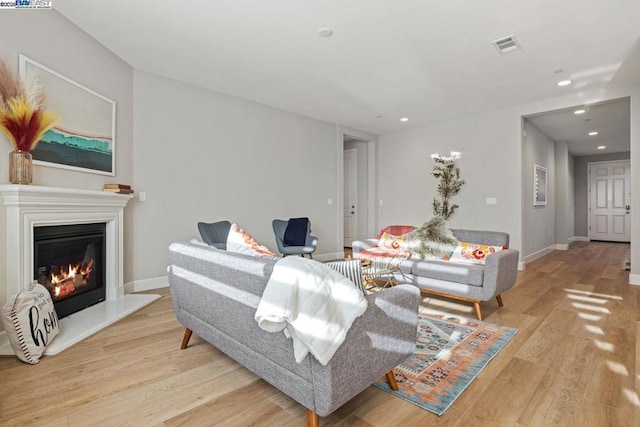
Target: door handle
628,207
352,212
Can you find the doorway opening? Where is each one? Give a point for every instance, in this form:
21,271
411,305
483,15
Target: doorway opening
356,187
568,142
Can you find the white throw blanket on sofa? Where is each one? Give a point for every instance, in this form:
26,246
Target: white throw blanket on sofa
314,305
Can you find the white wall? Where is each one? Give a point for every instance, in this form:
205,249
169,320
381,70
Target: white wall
50,39
563,194
490,164
539,224
571,197
204,156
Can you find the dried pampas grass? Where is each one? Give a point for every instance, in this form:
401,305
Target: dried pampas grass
23,118
432,239
10,85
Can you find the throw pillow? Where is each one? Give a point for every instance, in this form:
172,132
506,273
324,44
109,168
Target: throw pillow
431,240
242,242
31,322
396,230
390,241
473,254
352,270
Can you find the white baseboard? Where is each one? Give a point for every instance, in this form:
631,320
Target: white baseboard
146,284
634,279
562,247
522,266
578,239
539,254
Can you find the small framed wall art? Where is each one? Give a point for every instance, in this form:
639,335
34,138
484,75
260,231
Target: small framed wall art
83,139
539,185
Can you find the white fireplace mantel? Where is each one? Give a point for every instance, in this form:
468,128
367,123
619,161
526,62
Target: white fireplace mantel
31,206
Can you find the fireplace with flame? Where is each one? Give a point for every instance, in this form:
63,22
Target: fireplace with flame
69,260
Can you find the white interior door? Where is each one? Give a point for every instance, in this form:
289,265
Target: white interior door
350,196
610,201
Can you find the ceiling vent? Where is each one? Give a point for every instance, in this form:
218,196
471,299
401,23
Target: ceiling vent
506,44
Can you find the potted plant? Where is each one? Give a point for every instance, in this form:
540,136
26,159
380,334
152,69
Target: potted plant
23,120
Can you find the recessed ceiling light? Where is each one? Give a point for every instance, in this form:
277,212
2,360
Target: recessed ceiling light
325,32
579,111
601,147
404,119
593,133
564,82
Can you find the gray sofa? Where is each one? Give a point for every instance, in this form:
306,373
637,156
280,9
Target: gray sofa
215,294
466,282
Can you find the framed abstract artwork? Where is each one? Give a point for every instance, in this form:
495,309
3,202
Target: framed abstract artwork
539,185
83,138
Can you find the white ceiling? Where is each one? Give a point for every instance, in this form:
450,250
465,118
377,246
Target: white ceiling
610,119
425,60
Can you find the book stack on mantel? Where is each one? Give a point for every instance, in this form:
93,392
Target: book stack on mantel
118,188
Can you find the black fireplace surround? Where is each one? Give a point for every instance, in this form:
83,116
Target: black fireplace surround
70,260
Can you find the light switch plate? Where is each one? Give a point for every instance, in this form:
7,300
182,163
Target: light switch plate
492,200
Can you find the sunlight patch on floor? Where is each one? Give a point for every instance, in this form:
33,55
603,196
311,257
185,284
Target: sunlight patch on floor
632,397
451,305
591,294
617,368
589,317
594,329
590,308
604,346
587,299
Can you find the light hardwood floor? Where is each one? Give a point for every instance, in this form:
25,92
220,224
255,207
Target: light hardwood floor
574,362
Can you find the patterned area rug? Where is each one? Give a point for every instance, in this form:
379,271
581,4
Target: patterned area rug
450,352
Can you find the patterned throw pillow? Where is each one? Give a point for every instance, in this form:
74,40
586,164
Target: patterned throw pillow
31,322
396,230
240,241
390,241
473,254
352,270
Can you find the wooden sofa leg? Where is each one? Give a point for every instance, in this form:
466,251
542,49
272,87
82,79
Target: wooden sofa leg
186,338
499,299
391,379
476,304
313,419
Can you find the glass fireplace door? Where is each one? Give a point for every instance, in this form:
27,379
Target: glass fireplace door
69,260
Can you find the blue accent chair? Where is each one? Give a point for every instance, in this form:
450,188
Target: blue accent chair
279,229
215,233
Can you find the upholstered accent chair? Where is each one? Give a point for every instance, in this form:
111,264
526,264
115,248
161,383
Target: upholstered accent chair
306,248
215,233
